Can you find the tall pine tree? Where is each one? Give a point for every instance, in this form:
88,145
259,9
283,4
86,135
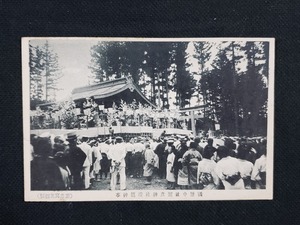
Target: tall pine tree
52,72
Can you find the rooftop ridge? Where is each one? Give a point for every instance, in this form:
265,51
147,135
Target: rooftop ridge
103,83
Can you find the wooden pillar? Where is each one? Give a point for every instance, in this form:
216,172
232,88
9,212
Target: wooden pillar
193,125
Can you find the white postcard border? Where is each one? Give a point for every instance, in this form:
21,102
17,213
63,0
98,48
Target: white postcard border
146,195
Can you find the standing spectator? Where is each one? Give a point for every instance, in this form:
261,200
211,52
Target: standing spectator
207,179
61,160
180,171
45,174
149,158
76,158
198,148
96,157
190,160
86,148
245,166
228,170
129,157
162,158
117,155
258,176
209,147
170,169
33,145
230,144
139,149
105,162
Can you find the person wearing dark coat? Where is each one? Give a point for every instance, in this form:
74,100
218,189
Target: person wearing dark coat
76,158
162,156
198,148
209,147
178,155
45,173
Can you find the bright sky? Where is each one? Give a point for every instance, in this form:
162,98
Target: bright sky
74,59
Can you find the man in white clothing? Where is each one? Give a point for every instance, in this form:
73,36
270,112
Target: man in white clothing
117,154
86,148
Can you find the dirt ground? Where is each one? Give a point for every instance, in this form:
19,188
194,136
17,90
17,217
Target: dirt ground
132,184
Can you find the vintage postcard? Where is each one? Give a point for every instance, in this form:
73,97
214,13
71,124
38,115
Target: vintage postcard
148,119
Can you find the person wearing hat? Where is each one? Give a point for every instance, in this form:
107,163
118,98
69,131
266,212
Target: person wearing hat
162,158
117,155
76,158
86,148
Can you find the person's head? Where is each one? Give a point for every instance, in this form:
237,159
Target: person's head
59,141
72,139
183,141
222,152
60,158
229,143
119,140
241,140
92,142
263,149
170,141
33,140
242,152
43,147
197,140
108,142
210,141
147,146
193,145
208,153
84,138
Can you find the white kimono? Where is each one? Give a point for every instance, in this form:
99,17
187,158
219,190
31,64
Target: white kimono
170,163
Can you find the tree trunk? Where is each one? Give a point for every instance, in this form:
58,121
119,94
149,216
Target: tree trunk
236,116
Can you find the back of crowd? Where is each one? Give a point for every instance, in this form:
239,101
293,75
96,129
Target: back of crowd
74,163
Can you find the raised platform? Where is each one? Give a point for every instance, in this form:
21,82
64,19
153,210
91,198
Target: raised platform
94,131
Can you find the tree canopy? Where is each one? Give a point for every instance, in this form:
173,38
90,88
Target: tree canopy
234,97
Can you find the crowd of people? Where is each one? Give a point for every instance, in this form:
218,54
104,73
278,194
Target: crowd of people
90,114
74,163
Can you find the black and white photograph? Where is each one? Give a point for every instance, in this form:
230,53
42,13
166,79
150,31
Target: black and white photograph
148,119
